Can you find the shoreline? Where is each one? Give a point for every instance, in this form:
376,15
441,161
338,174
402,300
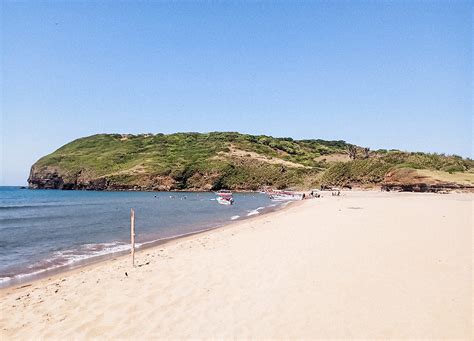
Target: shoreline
366,265
63,270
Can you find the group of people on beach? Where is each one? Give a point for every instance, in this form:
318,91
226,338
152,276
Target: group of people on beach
315,194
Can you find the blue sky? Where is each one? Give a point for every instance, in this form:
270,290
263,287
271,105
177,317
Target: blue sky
382,74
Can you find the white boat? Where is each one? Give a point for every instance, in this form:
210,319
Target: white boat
224,197
225,201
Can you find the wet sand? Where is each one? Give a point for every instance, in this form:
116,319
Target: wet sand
363,265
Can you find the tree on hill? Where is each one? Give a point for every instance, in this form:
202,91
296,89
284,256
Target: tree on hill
352,151
366,153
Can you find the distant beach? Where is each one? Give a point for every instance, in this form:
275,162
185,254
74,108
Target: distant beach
360,265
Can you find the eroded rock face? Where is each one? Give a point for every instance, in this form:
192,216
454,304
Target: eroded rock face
407,180
54,178
45,179
205,182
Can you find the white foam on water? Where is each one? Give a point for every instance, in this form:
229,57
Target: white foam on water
260,208
234,217
87,251
5,280
69,257
253,212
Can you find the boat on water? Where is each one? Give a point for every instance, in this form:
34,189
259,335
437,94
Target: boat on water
224,197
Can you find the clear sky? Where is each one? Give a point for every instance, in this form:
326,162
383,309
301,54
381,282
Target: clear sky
382,74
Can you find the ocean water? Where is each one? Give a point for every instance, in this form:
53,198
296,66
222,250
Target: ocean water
43,231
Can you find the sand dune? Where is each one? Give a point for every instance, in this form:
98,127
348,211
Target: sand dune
364,265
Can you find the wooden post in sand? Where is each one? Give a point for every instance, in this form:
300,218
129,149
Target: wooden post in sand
132,235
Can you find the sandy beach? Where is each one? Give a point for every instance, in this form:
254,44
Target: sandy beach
363,265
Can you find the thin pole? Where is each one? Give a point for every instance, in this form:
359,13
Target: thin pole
132,235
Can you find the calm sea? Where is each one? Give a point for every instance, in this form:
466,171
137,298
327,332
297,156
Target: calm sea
42,231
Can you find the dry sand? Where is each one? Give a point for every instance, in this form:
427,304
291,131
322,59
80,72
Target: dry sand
364,265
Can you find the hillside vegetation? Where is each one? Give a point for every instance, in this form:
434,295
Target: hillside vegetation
196,161
374,169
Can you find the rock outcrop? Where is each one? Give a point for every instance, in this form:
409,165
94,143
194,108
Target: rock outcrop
45,178
409,180
54,178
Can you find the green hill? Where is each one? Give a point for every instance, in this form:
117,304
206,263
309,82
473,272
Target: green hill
195,161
